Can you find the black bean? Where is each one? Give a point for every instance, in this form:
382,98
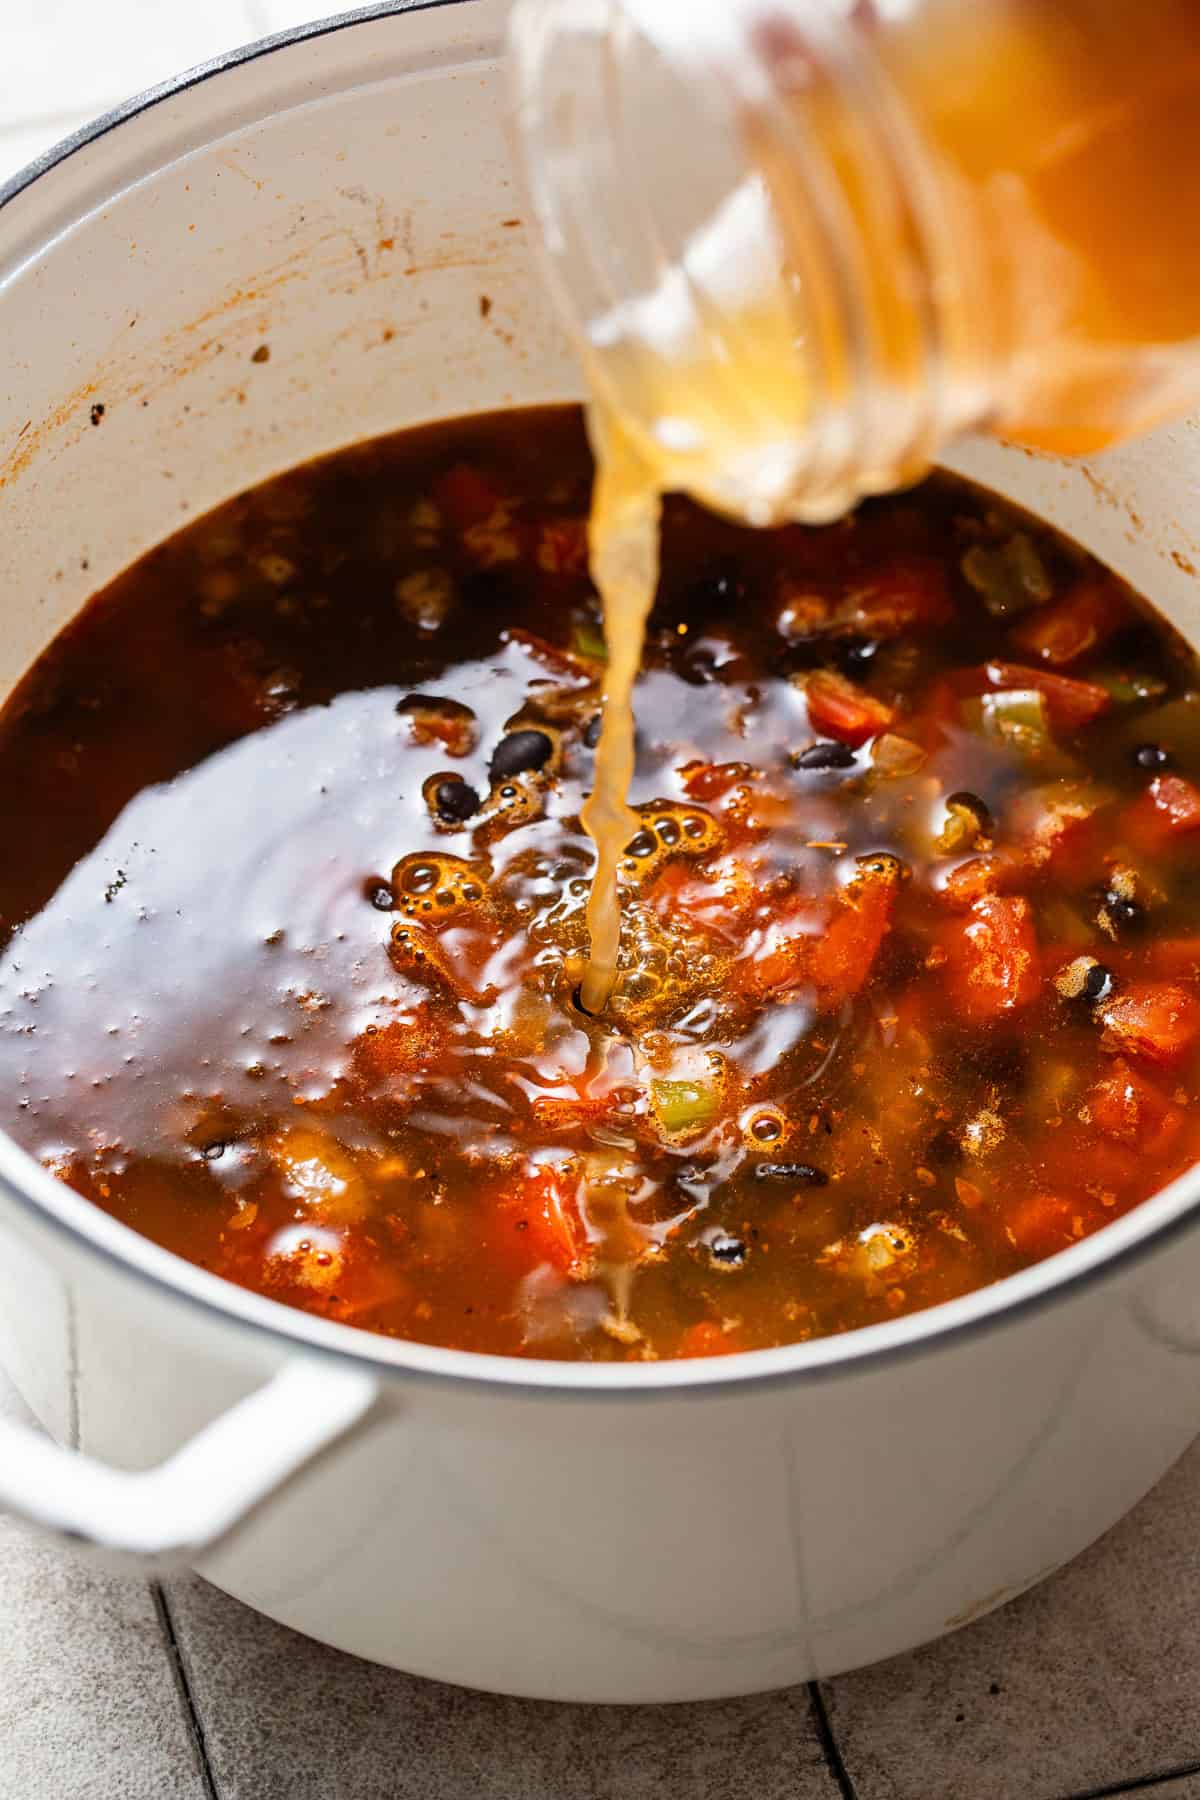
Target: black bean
1124,911
718,593
883,863
591,731
519,751
804,1173
1151,756
698,666
722,586
728,1250
825,755
973,804
855,657
456,801
1097,983
434,703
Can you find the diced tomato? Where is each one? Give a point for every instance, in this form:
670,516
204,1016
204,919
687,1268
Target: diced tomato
466,496
437,721
779,959
844,954
342,1274
1045,817
1074,1159
1125,1106
816,553
540,1219
1157,1020
398,1048
993,965
568,1110
1083,620
800,612
712,781
1070,703
908,593
838,709
562,547
1178,799
1168,809
369,1280
1056,827
457,956
720,902
757,807
802,946
1041,1223
707,1338
557,661
240,690
979,876
1172,958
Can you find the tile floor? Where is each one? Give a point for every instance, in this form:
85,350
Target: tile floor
116,1690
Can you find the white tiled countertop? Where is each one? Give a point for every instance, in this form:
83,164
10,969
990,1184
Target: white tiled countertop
123,1690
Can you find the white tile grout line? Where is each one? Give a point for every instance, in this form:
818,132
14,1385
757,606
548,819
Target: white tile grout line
193,1720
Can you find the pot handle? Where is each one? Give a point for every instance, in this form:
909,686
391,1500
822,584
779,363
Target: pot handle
160,1519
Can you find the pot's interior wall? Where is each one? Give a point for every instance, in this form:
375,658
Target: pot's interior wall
323,243
1137,508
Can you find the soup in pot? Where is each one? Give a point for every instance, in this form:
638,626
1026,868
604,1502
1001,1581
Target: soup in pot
295,975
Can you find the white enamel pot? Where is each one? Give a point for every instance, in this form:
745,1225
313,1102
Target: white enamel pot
661,1532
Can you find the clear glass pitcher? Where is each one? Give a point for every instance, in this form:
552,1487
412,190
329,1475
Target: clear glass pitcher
804,243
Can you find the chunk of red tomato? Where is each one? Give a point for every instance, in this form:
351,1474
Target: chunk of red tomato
993,967
1062,827
562,547
466,496
1168,809
1083,620
1172,958
539,1222
721,902
908,593
339,1272
706,782
838,709
1070,703
1159,1021
707,1338
1039,1224
403,1046
845,953
1125,1106
781,950
980,876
